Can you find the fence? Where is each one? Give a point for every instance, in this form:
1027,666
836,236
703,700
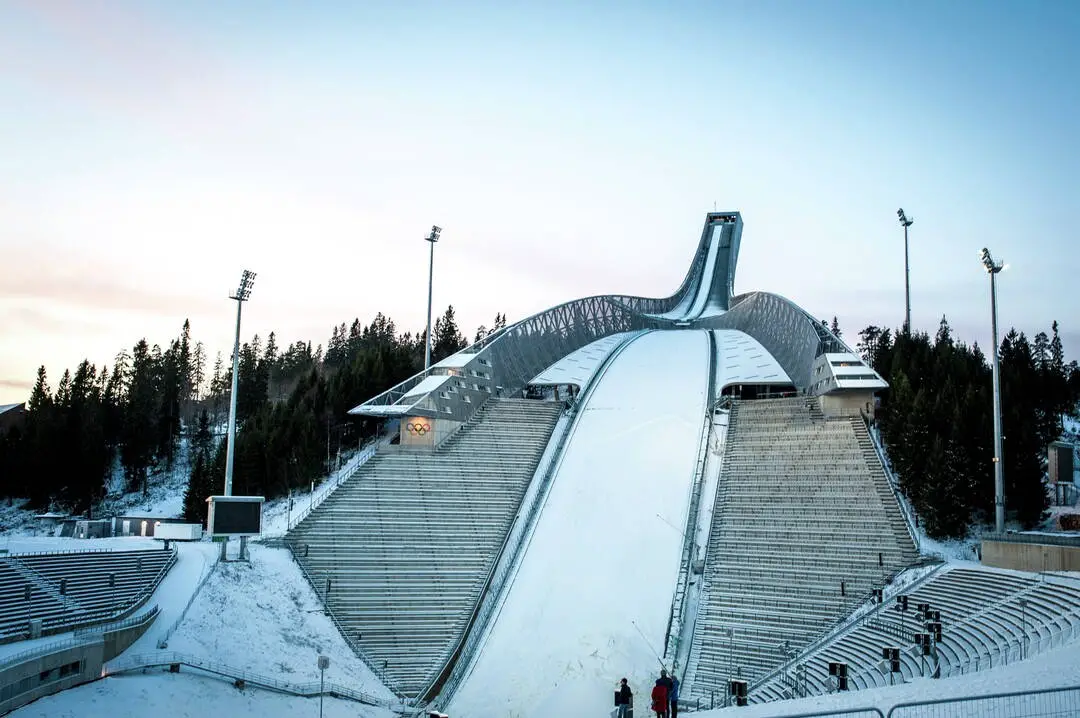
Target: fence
144,661
1045,703
163,642
1049,703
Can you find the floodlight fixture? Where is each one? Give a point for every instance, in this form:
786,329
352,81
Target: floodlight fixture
993,268
904,219
432,238
988,262
243,292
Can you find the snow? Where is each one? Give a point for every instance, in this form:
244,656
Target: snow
264,618
742,360
185,695
592,595
579,366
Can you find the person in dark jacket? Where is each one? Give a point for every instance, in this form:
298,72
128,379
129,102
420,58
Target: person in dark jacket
660,698
624,698
673,696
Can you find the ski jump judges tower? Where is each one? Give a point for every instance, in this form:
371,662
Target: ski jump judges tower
423,557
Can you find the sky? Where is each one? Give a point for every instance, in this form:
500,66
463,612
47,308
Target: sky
150,151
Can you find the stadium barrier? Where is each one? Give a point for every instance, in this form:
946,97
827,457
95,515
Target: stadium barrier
49,669
1051,702
173,661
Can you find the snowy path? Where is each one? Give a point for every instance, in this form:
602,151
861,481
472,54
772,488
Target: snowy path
604,557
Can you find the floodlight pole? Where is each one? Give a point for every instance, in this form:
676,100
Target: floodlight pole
992,268
906,222
432,239
241,295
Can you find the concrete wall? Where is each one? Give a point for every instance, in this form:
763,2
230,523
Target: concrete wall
1030,556
44,675
847,403
418,432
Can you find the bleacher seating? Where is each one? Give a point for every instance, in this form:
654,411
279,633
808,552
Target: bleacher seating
983,625
70,589
408,541
803,529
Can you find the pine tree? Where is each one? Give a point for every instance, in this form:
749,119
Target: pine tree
448,339
835,327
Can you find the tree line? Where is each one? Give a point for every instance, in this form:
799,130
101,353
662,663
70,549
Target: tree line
936,421
127,421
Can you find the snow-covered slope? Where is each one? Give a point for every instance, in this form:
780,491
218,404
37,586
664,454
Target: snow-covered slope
591,599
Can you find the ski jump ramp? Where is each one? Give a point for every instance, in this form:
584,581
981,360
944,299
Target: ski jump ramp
594,586
591,599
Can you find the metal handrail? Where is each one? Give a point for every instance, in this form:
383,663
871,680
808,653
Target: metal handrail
152,660
674,632
905,510
335,480
163,642
842,627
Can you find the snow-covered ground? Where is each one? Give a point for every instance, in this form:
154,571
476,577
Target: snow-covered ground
263,617
592,596
184,695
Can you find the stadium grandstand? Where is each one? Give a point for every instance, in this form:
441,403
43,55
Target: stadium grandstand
619,483
53,592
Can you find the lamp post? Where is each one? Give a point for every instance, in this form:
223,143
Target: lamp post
1023,618
243,292
432,238
992,268
906,222
324,663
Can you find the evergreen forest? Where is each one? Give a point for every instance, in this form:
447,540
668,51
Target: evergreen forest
103,426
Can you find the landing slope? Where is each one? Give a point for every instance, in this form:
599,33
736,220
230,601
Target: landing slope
604,556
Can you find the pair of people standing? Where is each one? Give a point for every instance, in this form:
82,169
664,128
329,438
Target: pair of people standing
665,696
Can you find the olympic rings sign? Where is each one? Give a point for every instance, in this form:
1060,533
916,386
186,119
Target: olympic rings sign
418,428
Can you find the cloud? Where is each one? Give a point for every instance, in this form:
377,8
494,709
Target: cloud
16,384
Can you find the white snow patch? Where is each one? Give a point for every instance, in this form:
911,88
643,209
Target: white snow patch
263,617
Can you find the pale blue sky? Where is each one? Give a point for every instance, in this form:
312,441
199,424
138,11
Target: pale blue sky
150,151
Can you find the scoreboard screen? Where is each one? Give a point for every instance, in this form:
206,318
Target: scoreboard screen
235,515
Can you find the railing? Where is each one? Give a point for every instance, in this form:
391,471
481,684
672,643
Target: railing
154,660
674,632
506,562
333,481
163,642
120,625
46,649
863,615
1020,704
905,510
1046,539
1044,703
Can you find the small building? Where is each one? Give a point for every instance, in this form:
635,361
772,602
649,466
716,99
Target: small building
12,415
138,525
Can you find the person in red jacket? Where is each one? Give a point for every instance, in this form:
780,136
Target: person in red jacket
660,698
